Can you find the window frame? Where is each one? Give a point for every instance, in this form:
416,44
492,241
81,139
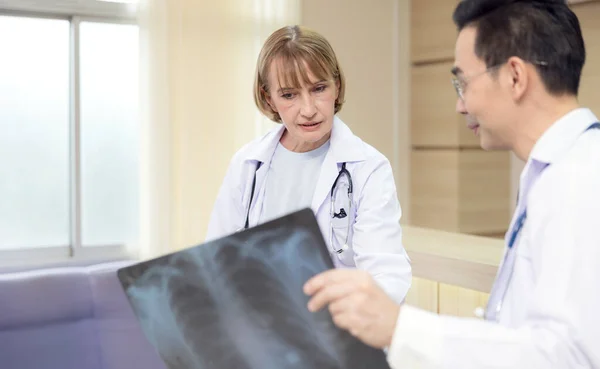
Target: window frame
70,8
76,12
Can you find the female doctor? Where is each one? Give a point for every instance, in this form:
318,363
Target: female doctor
314,160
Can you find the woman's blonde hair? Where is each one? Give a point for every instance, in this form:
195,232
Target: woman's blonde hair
299,50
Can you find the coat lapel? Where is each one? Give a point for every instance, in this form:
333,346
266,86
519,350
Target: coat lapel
259,194
344,148
263,153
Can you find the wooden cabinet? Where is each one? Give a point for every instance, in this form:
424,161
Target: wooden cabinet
435,122
432,31
589,91
424,294
455,186
463,191
452,272
458,301
446,299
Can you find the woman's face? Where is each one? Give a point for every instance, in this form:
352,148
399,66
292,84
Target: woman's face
306,110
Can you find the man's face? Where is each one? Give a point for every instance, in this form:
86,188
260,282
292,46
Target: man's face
481,99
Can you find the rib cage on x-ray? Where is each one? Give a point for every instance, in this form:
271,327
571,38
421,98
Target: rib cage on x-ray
237,303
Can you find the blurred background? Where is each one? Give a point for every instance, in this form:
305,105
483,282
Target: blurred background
118,119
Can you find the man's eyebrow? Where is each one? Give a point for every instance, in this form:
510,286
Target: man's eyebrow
456,70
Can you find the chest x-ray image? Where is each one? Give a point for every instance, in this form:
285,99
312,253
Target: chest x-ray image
237,303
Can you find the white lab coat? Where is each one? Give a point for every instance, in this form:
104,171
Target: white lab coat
549,315
375,237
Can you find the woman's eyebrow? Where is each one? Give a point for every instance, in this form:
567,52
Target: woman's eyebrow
285,89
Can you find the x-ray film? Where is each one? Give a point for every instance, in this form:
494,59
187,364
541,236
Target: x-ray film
237,303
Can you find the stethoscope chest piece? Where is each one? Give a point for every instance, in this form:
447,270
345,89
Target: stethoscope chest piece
342,249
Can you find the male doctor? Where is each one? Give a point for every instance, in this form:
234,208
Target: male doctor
517,70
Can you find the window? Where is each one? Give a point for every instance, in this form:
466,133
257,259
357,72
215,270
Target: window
69,142
34,121
109,133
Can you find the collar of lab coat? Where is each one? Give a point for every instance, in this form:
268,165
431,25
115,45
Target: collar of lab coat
344,145
561,135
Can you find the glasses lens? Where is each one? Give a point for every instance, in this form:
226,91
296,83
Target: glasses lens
457,87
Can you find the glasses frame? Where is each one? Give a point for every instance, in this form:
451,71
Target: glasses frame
460,84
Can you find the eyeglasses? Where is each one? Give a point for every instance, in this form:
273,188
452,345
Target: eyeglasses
460,84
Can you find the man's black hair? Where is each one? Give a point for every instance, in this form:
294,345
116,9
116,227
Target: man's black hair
545,33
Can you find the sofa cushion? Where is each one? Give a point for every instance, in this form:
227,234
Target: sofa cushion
117,325
64,345
44,297
70,318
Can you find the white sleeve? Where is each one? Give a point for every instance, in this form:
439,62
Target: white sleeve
430,341
228,214
417,340
377,238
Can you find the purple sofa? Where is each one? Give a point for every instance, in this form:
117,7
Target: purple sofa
74,317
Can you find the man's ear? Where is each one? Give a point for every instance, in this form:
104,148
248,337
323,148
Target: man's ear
518,77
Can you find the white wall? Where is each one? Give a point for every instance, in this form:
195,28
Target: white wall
371,39
204,91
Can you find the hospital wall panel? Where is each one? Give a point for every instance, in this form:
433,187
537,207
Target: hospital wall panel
455,185
435,122
484,178
434,189
460,190
432,30
374,53
589,93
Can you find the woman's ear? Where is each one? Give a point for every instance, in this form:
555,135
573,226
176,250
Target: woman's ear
269,100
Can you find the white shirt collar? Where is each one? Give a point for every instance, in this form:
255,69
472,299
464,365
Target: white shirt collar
562,135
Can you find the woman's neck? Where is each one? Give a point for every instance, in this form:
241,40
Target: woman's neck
296,145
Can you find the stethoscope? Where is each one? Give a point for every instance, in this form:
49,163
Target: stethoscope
498,293
335,188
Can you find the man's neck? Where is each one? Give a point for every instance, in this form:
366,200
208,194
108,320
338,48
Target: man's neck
537,120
